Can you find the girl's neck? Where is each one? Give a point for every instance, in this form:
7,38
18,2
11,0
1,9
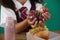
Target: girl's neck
22,1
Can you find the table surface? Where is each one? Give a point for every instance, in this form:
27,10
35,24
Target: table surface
21,36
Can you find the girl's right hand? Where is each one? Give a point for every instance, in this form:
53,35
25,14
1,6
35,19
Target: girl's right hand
33,23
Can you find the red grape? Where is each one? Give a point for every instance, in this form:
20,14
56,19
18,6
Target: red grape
45,10
36,14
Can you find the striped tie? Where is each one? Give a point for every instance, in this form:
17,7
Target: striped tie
23,11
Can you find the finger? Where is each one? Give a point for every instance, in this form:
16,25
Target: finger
43,20
44,17
28,17
33,26
31,22
47,15
41,23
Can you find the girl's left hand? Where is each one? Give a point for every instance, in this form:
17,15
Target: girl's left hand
46,16
32,23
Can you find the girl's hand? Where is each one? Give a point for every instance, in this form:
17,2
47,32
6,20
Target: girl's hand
41,23
33,23
46,16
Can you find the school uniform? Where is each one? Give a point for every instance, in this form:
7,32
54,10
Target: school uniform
6,12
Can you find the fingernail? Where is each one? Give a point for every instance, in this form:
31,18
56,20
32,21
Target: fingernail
35,18
43,19
36,21
40,21
42,14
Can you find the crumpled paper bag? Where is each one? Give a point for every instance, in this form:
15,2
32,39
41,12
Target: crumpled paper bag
53,36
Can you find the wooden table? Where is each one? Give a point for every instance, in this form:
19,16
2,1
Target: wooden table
21,36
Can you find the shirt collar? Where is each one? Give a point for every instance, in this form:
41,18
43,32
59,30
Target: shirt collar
19,5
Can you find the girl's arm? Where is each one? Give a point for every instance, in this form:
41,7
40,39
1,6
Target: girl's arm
20,26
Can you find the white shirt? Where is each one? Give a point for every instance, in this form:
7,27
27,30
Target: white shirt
27,4
6,12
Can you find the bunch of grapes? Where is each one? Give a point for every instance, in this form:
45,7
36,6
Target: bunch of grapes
37,14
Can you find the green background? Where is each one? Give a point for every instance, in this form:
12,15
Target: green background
54,9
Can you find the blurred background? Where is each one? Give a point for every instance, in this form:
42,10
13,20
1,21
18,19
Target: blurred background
54,9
